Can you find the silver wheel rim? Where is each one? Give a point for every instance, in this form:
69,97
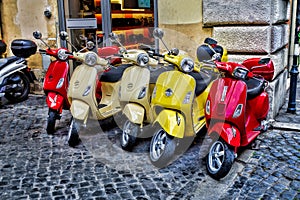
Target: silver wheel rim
158,145
128,129
216,156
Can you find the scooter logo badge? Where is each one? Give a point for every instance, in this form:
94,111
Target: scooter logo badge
168,92
224,93
53,101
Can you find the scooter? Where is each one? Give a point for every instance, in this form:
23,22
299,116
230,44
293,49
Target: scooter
56,81
82,91
15,75
178,101
236,110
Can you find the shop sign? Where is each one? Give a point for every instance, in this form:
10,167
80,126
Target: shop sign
82,23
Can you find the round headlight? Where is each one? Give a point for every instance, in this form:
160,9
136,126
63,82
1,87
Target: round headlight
61,54
142,59
187,65
90,59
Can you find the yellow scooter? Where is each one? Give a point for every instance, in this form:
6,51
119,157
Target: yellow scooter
82,91
178,101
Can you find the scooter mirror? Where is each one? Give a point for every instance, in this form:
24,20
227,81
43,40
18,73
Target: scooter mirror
37,34
158,33
63,35
264,61
90,45
175,51
113,37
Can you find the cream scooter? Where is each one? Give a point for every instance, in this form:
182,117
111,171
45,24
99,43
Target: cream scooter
82,91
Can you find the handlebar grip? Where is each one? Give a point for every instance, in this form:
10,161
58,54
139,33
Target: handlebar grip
42,50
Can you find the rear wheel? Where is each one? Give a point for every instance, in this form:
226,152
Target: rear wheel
21,91
73,134
51,121
129,134
162,148
219,159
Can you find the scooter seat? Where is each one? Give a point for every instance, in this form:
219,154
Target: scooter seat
6,61
114,74
254,87
202,81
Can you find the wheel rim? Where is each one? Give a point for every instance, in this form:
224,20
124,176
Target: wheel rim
19,90
216,156
158,145
129,129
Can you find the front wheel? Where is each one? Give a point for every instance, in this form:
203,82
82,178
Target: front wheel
219,159
162,148
19,92
51,122
129,134
73,134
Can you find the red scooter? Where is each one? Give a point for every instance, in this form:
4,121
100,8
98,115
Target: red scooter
56,81
236,111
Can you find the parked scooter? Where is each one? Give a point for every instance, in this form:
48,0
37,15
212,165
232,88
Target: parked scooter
15,76
178,100
236,111
56,81
82,91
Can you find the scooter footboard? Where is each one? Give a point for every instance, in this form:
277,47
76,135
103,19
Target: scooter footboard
135,113
55,101
227,132
172,122
79,110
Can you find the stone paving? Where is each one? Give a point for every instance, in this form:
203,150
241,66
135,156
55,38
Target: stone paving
35,165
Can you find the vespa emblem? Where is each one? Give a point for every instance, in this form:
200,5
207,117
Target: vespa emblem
76,84
224,93
129,86
168,92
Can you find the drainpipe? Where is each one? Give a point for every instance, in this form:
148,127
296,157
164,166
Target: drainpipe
61,19
106,21
294,69
155,5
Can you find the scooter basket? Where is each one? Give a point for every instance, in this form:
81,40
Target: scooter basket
23,48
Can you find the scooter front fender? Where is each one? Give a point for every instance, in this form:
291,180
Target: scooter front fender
134,112
79,110
55,101
172,122
227,132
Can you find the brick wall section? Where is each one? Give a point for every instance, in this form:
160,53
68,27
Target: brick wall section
256,28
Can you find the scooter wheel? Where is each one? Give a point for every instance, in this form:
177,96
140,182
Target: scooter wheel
219,159
51,122
128,136
21,92
162,148
73,134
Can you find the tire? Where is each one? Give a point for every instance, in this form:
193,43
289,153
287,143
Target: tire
23,89
73,134
51,122
162,148
128,137
219,159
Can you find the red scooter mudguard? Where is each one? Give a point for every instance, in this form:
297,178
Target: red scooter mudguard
227,132
55,101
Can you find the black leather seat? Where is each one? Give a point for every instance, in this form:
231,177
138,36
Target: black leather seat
114,74
6,61
202,81
254,87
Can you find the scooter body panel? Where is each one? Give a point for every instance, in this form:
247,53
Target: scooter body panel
57,72
227,132
172,122
175,91
80,110
55,101
134,112
10,69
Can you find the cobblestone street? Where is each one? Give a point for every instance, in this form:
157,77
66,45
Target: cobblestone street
35,165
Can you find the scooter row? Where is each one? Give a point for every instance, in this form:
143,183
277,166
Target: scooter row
169,97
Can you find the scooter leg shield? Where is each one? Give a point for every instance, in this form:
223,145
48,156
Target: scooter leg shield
79,110
227,132
172,122
135,113
54,101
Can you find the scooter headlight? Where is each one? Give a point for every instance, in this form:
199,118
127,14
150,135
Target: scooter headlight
87,91
142,93
90,59
187,98
187,64
60,83
238,111
142,59
61,54
207,107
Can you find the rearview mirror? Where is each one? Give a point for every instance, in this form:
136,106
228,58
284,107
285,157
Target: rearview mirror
158,33
90,45
37,34
263,61
113,37
63,35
